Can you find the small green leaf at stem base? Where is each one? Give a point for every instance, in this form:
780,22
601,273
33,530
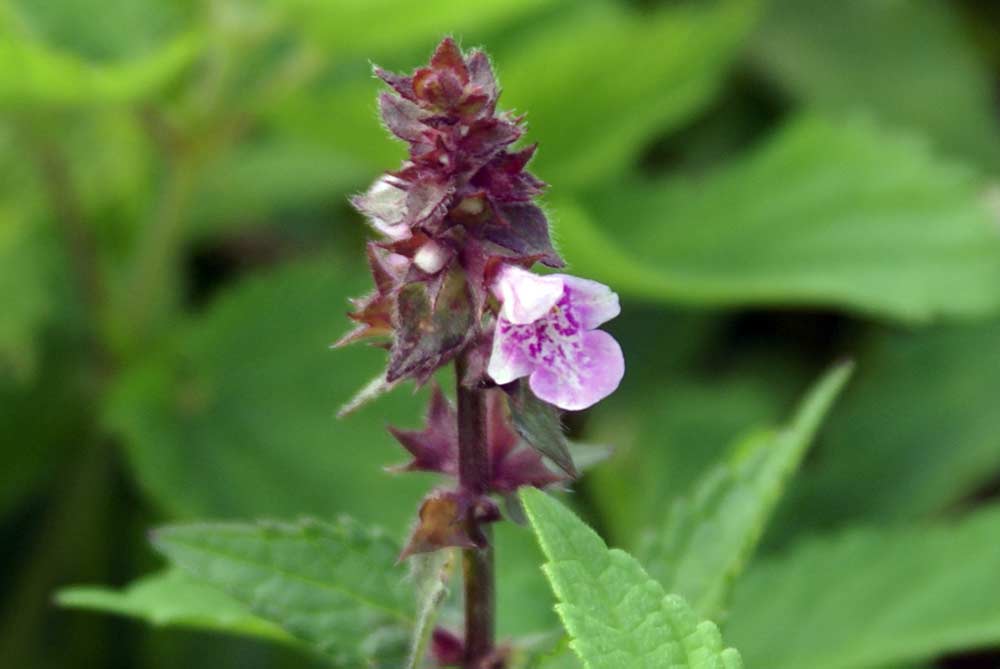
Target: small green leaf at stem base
539,425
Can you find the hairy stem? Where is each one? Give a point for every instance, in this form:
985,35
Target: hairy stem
477,564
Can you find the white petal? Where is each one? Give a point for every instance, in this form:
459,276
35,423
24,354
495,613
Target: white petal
507,361
526,296
593,302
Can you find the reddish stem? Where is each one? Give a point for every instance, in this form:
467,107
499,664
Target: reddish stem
477,564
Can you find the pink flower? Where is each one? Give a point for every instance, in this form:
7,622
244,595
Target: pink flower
546,329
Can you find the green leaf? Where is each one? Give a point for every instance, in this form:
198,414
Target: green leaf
32,74
667,434
899,59
540,426
173,599
236,418
431,573
371,28
599,85
708,538
615,613
261,179
873,597
127,29
615,76
559,658
837,214
918,433
336,587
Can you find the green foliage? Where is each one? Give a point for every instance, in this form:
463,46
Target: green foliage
872,597
842,214
367,29
431,573
613,77
942,385
615,613
908,57
128,28
539,425
33,74
336,587
211,147
667,436
27,272
230,395
708,539
172,598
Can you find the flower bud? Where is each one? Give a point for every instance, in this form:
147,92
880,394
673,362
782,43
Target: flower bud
431,257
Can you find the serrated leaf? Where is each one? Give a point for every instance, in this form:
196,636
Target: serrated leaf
616,615
336,587
873,597
942,445
630,74
173,599
842,214
540,426
898,59
709,537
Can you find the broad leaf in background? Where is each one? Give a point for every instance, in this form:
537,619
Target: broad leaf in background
616,615
899,59
599,86
337,587
708,538
919,432
32,74
869,598
174,599
843,214
237,419
367,29
665,437
262,178
126,29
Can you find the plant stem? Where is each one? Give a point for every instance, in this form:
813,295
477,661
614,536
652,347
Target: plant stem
477,564
81,248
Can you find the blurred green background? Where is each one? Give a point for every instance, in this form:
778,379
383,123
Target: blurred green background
770,186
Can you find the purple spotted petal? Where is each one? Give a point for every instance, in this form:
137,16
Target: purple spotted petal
594,372
508,361
525,296
593,302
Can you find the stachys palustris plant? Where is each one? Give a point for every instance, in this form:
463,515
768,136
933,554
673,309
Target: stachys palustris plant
459,232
